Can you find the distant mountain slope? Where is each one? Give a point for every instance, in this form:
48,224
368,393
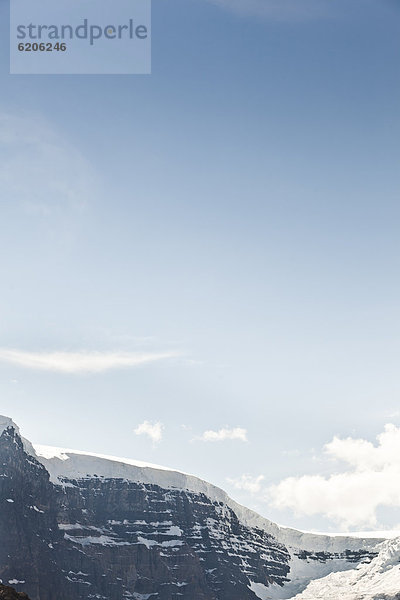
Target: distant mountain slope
379,580
79,526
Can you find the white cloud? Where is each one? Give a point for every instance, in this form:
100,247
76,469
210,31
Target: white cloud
79,362
247,482
351,497
224,434
153,430
280,10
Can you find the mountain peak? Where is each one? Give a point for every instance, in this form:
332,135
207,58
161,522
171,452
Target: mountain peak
7,423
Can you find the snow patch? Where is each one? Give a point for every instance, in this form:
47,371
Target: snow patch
102,540
64,454
151,543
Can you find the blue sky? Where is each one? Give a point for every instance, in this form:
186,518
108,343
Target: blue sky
212,248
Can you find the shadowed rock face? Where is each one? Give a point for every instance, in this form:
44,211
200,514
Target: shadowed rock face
8,593
27,532
111,539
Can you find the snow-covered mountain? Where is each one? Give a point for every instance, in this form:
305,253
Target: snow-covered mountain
379,580
76,525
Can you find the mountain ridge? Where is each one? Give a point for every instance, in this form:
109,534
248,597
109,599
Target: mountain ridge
61,464
175,535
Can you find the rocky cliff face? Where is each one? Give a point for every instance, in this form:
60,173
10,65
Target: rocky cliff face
87,535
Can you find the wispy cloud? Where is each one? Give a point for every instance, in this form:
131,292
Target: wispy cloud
248,483
350,497
280,10
80,362
40,170
152,430
224,434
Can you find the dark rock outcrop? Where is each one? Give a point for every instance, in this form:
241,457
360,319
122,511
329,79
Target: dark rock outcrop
9,593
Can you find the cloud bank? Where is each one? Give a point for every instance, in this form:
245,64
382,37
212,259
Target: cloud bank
351,497
152,430
79,362
224,434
